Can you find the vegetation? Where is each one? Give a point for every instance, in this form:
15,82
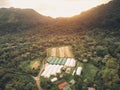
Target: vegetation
94,36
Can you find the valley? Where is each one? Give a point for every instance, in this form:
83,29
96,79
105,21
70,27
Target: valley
28,40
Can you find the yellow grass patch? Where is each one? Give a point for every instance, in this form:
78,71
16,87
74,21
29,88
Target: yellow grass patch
60,52
35,64
68,51
53,52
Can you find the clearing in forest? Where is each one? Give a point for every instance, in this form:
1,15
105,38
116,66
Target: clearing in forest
65,51
61,52
35,64
54,53
68,52
89,71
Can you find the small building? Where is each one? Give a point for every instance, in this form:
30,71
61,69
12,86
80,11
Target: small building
78,72
91,88
54,79
62,85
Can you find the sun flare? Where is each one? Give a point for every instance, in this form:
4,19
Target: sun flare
57,8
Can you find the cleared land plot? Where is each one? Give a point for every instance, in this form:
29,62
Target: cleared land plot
68,51
60,52
89,71
28,66
35,64
54,52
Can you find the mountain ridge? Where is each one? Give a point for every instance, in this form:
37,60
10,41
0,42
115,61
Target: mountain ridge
15,18
102,16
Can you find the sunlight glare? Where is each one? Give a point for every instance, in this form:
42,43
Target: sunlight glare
58,8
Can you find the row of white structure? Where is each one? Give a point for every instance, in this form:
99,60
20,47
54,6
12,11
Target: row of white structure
51,70
78,72
70,62
54,69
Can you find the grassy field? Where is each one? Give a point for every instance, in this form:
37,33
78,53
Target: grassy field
64,51
30,66
88,72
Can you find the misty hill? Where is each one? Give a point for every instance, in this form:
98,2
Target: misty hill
104,16
18,19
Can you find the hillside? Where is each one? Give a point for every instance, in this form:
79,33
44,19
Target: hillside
105,16
15,19
93,35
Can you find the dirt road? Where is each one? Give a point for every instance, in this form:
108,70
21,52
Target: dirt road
37,79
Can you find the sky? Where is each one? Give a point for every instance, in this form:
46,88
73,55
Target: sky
54,8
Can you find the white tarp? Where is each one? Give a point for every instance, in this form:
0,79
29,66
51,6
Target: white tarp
78,72
54,79
70,62
51,70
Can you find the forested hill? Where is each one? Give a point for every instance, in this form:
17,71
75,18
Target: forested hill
105,16
14,19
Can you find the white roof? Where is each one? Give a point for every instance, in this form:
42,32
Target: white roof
79,69
51,70
54,79
70,62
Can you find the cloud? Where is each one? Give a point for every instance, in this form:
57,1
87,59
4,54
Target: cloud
4,3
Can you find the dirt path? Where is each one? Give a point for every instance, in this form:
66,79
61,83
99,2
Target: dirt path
37,79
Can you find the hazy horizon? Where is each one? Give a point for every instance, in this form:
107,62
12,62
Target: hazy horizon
54,8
